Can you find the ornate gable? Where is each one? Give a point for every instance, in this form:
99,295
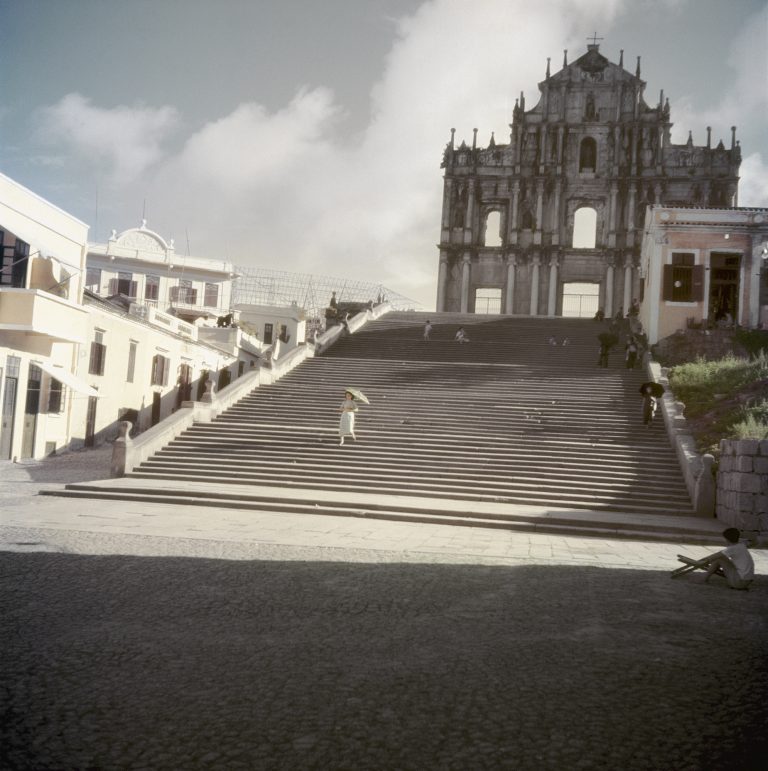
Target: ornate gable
142,240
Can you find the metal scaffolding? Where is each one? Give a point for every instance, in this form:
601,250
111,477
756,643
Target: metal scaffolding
261,286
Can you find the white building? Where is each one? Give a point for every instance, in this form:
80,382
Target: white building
142,265
287,323
73,364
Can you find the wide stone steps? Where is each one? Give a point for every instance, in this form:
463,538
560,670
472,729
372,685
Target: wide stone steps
554,520
504,421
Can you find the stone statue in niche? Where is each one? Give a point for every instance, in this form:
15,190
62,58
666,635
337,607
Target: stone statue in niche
590,112
459,205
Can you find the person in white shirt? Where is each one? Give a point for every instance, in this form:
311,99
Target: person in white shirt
461,336
734,562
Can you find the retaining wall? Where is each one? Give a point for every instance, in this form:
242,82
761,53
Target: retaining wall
742,485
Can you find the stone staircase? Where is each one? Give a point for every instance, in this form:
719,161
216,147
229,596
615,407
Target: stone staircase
453,433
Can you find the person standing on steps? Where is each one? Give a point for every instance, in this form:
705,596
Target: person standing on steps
631,355
427,330
649,406
602,359
347,421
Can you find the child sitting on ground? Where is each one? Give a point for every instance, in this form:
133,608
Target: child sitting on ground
734,562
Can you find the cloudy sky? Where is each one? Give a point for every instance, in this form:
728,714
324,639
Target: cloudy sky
307,135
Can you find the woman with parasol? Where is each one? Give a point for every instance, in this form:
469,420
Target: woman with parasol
348,409
650,392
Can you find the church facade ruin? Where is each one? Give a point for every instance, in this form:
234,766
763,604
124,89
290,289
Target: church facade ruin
552,222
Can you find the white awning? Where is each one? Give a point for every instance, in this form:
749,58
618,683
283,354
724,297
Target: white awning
69,380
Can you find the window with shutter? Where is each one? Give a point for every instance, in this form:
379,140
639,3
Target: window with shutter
683,281
55,396
166,364
98,358
152,288
131,361
160,370
211,295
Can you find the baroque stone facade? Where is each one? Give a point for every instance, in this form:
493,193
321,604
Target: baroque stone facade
591,150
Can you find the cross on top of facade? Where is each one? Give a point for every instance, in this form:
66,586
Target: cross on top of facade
594,39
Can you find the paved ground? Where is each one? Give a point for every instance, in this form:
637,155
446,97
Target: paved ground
194,638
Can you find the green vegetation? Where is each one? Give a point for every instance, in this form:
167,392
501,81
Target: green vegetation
753,341
726,398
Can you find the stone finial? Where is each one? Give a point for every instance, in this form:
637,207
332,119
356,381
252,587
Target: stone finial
709,136
621,58
120,449
637,70
210,389
453,137
733,137
474,138
565,57
547,67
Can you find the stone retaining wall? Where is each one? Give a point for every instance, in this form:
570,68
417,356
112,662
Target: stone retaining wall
742,485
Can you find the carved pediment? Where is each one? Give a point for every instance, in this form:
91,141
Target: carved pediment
143,241
592,62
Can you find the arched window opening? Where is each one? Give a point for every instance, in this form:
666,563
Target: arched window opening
588,155
584,228
492,229
488,300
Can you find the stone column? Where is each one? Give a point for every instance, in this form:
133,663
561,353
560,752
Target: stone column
447,203
609,289
631,215
469,222
442,277
509,298
758,265
513,212
465,260
552,300
556,215
535,262
627,284
539,211
612,218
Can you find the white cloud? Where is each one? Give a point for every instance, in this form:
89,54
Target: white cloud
123,141
288,189
753,186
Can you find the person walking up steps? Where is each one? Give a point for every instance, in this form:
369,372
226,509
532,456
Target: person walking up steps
427,330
